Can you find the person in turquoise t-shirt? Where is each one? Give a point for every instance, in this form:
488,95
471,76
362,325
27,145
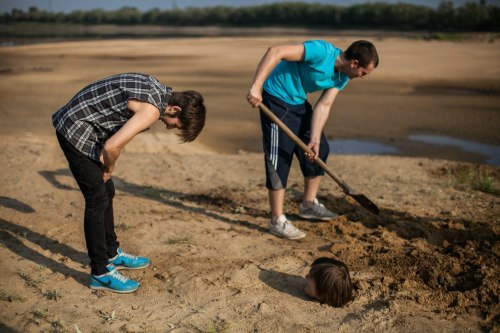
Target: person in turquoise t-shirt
284,77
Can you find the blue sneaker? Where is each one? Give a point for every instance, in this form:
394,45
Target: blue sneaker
127,261
113,281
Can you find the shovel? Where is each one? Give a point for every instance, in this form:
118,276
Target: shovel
359,197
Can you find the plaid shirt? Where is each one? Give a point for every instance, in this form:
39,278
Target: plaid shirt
99,110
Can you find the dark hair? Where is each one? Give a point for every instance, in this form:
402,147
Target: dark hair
364,52
192,114
333,282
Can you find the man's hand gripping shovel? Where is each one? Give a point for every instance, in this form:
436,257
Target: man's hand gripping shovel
359,197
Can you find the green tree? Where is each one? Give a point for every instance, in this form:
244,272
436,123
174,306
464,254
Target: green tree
473,16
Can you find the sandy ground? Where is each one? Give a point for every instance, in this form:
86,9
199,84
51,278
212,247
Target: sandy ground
427,263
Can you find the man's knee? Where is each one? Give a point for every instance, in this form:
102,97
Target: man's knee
110,189
98,198
324,149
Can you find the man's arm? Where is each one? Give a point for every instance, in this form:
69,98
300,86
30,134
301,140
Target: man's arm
319,118
145,115
268,62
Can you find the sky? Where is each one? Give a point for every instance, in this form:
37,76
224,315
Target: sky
144,5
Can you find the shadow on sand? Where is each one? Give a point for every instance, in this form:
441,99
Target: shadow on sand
51,177
405,225
7,229
292,285
7,238
6,329
16,205
187,202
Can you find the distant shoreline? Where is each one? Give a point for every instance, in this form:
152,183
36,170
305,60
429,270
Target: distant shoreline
28,33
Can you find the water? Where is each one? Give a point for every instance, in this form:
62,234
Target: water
366,147
360,147
491,151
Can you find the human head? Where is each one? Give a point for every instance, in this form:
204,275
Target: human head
191,114
364,52
329,282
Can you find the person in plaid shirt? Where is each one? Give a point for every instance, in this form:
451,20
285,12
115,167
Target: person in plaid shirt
92,129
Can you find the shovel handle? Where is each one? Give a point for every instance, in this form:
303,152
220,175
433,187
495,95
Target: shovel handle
304,147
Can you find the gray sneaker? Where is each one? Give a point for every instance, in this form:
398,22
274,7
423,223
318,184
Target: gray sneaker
316,212
282,227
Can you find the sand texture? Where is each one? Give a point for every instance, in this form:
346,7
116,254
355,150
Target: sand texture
427,263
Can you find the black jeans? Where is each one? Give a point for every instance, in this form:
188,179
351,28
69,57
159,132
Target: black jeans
99,225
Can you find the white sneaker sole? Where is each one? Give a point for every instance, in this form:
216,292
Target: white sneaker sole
314,217
113,290
124,267
275,233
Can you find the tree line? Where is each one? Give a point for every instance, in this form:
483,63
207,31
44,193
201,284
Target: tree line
471,16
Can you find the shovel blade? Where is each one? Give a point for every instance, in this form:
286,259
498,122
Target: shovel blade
365,202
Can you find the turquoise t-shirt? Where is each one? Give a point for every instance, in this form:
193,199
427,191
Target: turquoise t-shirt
291,81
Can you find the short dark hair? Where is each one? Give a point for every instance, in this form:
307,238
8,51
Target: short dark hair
192,114
333,282
363,51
